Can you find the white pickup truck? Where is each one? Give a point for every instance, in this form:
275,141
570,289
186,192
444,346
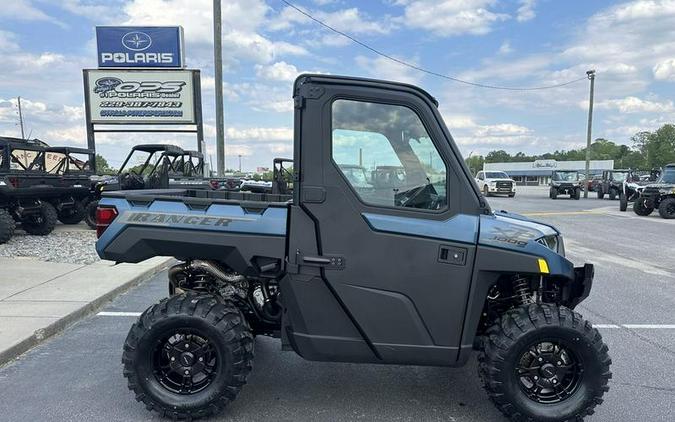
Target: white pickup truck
495,182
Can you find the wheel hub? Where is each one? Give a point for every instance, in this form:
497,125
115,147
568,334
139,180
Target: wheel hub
185,363
548,372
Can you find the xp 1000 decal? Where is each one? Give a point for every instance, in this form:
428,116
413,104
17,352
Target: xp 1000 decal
141,96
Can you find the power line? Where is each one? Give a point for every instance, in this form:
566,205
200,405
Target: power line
421,69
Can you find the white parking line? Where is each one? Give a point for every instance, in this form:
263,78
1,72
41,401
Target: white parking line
600,326
637,326
127,314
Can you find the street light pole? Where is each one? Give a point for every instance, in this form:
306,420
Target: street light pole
18,100
218,64
591,76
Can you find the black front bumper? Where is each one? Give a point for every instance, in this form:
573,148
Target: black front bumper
579,289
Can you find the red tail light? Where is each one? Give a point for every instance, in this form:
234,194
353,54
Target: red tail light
104,216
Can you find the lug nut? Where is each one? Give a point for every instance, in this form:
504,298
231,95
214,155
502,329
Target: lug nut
559,363
540,359
555,382
187,345
173,359
201,359
536,377
187,372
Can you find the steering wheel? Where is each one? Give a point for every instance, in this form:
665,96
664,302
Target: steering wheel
423,196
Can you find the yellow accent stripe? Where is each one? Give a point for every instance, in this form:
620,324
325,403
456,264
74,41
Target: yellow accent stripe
543,266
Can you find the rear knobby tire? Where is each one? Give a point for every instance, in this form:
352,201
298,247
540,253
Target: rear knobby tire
72,215
553,193
43,223
577,194
600,193
612,194
90,214
667,208
511,339
204,316
641,208
7,226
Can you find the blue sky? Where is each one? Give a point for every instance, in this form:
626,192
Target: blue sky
522,43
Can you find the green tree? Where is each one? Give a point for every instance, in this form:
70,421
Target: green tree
102,166
475,163
499,156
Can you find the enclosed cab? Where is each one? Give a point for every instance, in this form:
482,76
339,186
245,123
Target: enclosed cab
418,272
611,183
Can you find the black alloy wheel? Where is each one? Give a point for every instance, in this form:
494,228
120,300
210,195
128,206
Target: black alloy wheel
185,362
549,372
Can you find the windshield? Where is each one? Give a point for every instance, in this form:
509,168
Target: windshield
620,176
668,176
496,175
567,176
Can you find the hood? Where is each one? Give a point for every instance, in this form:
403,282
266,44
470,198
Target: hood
514,231
501,179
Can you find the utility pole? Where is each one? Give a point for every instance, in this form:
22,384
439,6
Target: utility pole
591,76
218,64
20,118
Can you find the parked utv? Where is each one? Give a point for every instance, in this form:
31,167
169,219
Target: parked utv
633,185
565,182
611,183
419,274
660,195
76,168
29,194
151,166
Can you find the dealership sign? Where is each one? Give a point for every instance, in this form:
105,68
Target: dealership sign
141,96
140,46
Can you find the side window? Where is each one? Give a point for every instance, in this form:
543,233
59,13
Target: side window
387,156
480,175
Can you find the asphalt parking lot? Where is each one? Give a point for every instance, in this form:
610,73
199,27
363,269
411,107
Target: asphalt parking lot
77,375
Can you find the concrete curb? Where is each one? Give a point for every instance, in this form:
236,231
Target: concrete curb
42,334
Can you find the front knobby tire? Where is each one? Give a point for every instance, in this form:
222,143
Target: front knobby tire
667,208
641,207
7,226
188,356
541,362
623,202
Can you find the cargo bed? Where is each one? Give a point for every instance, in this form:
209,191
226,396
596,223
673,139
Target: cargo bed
245,230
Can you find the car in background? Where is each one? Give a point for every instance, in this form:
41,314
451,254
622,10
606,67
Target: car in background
495,182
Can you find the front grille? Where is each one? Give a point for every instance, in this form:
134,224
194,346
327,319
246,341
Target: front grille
504,185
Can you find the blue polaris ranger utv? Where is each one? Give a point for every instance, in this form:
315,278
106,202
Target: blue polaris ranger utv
418,272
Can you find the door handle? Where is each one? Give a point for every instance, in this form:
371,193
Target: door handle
452,255
332,262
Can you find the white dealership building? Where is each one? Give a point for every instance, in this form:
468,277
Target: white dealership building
539,172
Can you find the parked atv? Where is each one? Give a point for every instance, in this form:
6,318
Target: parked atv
633,185
611,183
75,165
422,275
29,194
660,196
151,166
565,182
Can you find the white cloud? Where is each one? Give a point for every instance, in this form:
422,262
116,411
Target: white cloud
665,70
350,20
505,48
8,41
451,17
526,10
634,105
25,10
383,68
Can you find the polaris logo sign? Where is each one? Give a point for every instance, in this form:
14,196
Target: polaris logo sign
135,46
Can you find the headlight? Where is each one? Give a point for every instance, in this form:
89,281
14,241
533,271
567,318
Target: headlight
556,183
554,243
2,183
492,183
